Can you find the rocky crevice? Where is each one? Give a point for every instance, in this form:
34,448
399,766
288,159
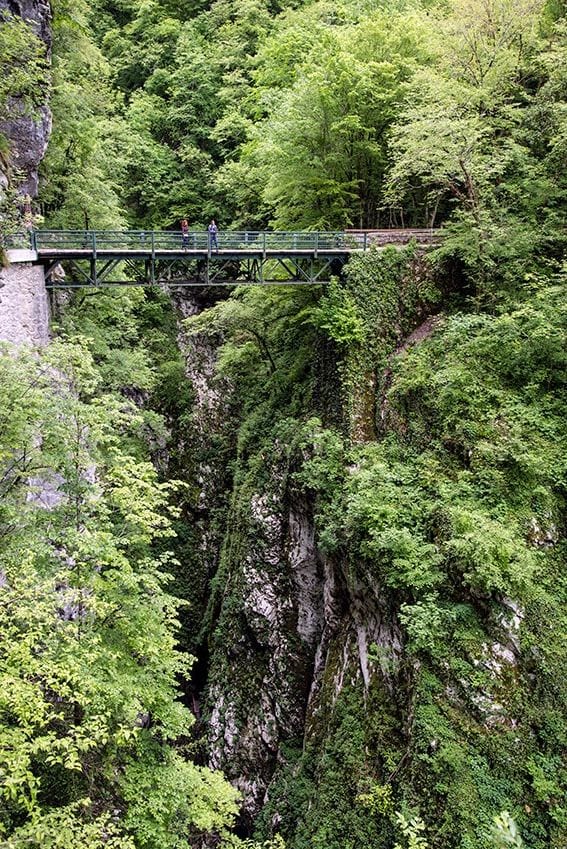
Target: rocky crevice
286,628
263,649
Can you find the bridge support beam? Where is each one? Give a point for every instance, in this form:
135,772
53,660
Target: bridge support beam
186,271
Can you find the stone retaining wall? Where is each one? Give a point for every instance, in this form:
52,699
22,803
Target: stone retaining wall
24,306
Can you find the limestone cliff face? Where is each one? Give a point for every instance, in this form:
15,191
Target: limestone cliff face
36,12
270,627
284,629
294,630
28,134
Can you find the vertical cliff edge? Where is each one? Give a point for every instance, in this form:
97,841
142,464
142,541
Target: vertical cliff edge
28,124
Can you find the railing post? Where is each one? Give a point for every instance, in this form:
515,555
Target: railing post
33,240
93,260
264,244
316,242
153,258
365,240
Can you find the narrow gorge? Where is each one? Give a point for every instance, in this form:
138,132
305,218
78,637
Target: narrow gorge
303,583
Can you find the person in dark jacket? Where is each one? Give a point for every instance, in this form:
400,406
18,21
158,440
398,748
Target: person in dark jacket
213,240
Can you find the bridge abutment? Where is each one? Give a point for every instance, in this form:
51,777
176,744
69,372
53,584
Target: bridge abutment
24,304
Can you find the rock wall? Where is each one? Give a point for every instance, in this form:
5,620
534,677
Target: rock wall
264,647
24,306
27,133
36,12
294,630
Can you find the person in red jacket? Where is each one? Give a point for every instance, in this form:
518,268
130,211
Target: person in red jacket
185,234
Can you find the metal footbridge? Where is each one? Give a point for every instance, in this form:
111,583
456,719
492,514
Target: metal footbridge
82,258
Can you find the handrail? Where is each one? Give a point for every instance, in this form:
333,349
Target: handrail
150,241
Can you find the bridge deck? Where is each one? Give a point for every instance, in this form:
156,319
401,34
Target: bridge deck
89,257
225,253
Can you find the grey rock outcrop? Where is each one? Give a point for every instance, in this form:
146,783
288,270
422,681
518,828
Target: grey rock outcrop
271,624
35,12
29,136
28,133
294,631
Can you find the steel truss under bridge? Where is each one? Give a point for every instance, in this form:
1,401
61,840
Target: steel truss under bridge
184,271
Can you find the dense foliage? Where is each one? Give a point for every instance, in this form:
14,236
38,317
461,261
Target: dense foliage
90,712
315,116
415,411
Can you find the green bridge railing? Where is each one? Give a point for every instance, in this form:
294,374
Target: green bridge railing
198,240
150,241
